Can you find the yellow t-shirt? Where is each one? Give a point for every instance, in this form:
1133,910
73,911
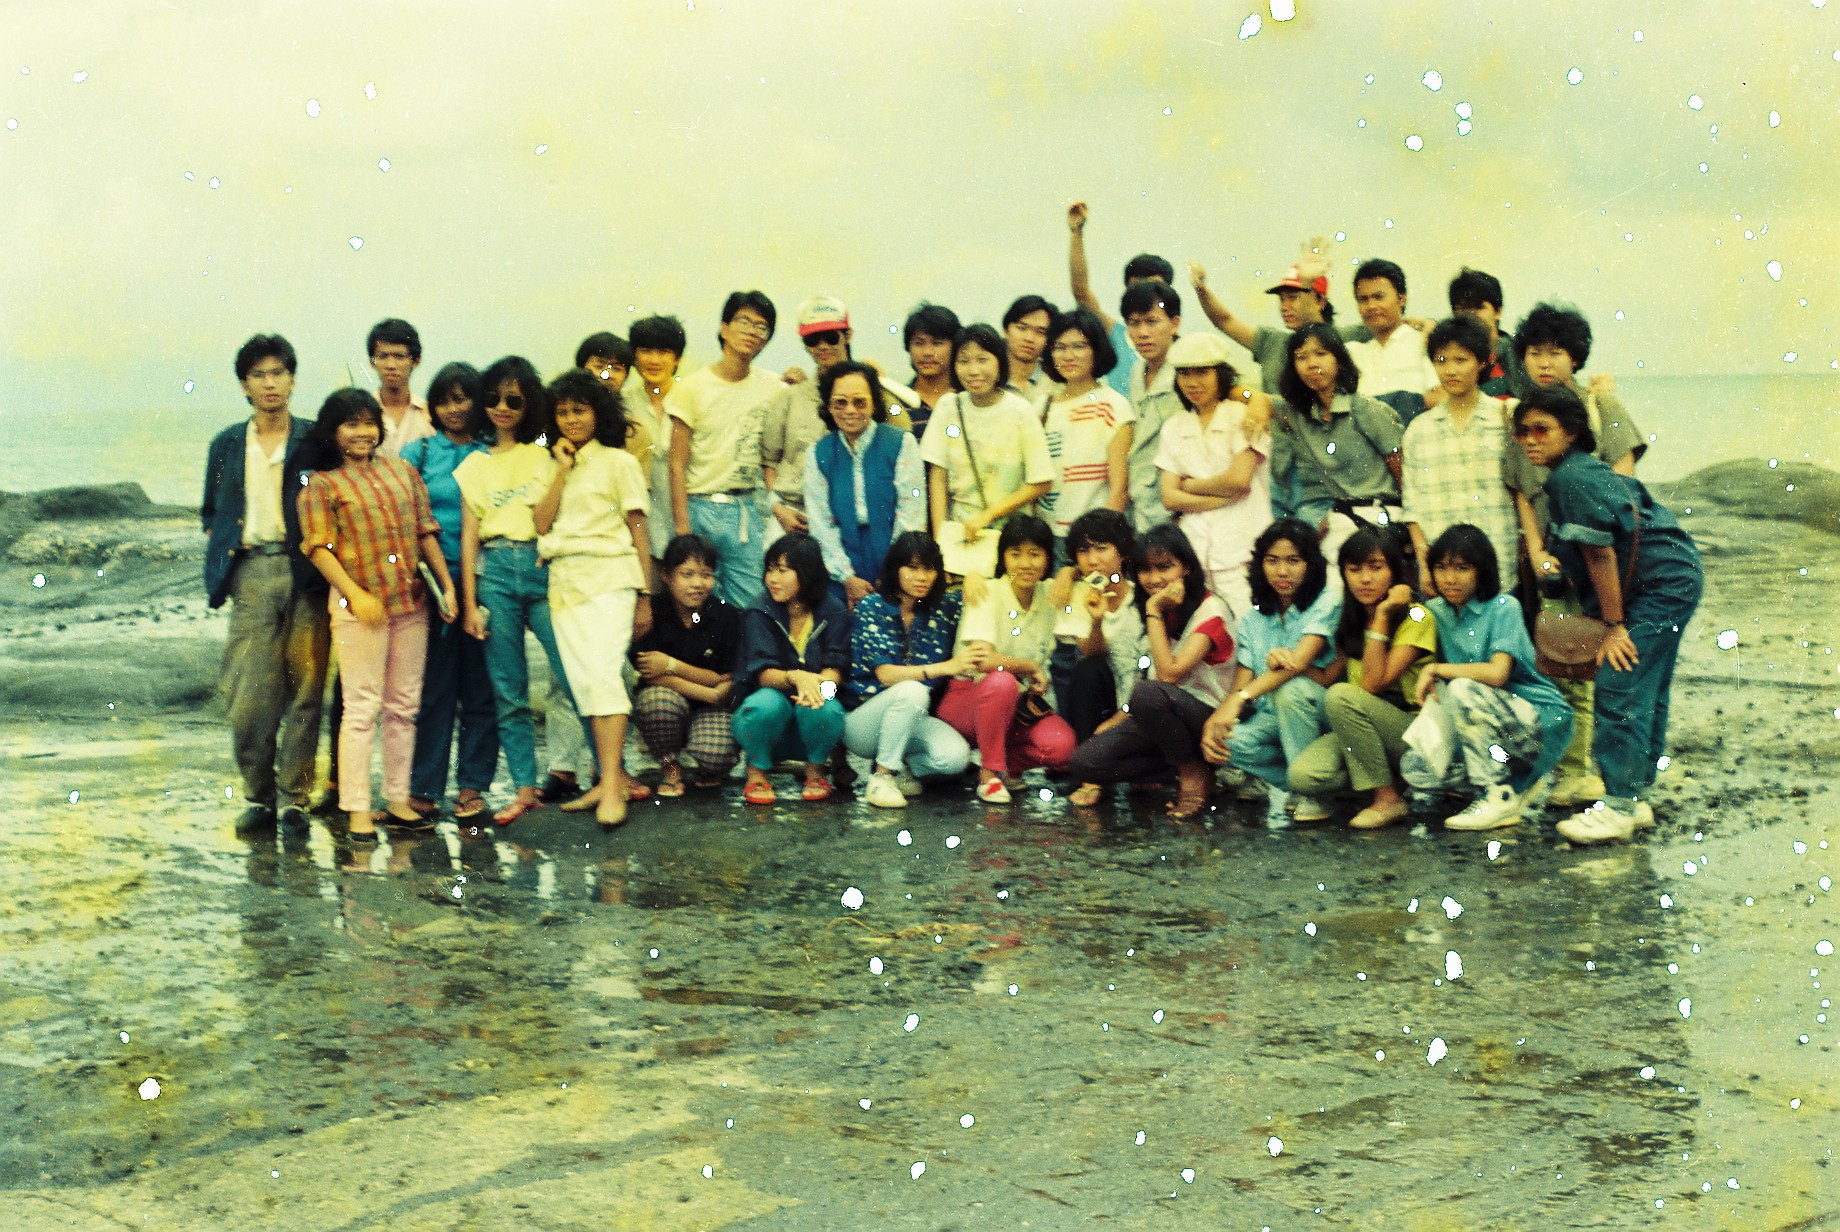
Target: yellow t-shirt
502,488
1416,629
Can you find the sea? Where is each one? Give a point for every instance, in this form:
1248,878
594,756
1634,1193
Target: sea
1691,422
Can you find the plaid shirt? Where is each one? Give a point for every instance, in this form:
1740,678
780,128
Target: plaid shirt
372,517
1453,476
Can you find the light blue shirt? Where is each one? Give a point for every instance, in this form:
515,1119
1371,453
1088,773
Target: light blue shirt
1480,631
1258,634
434,458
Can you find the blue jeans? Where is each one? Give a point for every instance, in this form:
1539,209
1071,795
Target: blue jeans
895,728
769,728
454,682
1286,723
515,589
740,530
1630,713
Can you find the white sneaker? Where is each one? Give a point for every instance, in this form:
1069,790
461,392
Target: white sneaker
1576,789
883,792
909,785
1603,822
992,791
1309,808
1537,796
1277,809
1497,807
1645,816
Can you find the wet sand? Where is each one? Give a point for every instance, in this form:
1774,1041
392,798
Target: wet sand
681,1024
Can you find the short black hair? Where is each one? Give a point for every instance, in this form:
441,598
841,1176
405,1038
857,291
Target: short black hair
1223,373
1390,541
1469,545
396,331
658,333
1146,266
1086,321
1024,305
933,320
1302,536
536,419
1021,530
342,406
1347,376
580,385
800,553
607,345
1141,297
454,378
1169,539
261,347
1566,407
758,301
688,547
1472,288
1104,526
827,381
1379,267
1555,325
1466,331
912,547
986,337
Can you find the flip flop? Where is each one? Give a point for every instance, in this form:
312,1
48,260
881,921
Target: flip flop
760,793
516,809
469,806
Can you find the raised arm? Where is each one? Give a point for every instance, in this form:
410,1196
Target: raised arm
1239,329
1077,273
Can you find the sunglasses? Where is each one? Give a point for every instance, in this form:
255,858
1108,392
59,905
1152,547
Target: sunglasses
829,337
513,402
1524,432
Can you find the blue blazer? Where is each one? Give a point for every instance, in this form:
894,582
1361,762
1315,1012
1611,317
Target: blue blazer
223,505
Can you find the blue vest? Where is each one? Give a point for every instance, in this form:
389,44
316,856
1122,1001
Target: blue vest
866,546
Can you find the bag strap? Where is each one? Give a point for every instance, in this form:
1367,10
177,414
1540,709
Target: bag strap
964,434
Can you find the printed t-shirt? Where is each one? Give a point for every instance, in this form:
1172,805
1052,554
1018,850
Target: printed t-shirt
1079,432
725,419
501,488
1006,439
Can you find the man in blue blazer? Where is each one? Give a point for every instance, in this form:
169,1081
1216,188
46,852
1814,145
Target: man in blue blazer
274,669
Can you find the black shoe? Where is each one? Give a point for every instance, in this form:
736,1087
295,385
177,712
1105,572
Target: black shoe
556,788
294,820
327,804
256,819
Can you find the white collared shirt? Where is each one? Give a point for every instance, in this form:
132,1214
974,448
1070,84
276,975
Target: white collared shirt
262,519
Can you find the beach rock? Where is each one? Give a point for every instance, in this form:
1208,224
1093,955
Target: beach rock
1786,491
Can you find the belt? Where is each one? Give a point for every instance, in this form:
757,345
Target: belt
734,496
498,543
266,549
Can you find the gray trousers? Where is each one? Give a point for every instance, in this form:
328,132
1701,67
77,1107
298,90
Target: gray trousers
273,675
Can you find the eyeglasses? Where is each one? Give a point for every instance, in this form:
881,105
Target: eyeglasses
513,402
751,325
1524,432
829,337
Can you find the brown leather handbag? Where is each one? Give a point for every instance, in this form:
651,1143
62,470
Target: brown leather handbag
1565,640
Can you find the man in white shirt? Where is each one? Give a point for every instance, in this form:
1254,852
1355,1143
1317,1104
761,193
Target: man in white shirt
396,352
1394,366
717,481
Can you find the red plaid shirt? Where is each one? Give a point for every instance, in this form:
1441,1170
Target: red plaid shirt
372,517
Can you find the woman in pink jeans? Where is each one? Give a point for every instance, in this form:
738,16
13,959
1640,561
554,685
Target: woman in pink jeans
1007,634
364,523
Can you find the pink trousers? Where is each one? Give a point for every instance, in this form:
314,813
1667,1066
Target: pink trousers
381,670
984,712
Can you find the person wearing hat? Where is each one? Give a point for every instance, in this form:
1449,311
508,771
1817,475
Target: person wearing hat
791,423
1214,463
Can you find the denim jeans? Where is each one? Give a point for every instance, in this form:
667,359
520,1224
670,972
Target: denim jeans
515,589
740,529
454,684
1265,744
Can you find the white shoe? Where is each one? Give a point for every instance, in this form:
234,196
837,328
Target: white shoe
1277,809
1603,822
1497,807
1309,808
1576,789
1645,816
883,792
1537,796
992,791
909,785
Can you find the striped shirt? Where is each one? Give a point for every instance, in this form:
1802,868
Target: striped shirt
1080,431
371,516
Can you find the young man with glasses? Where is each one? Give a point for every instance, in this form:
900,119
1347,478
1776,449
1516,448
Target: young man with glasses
274,668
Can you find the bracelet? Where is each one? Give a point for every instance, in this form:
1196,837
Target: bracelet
1376,636
1153,616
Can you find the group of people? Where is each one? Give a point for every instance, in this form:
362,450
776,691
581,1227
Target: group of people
1325,578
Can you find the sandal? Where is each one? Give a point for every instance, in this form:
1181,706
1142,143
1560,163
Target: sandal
635,790
672,787
1086,795
817,787
516,809
470,804
1187,807
760,792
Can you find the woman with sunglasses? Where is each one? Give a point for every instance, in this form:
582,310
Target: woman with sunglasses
504,587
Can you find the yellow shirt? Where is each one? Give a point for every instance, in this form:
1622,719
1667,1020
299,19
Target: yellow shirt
501,488
1417,629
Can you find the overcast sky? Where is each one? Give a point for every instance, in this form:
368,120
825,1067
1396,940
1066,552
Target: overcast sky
177,176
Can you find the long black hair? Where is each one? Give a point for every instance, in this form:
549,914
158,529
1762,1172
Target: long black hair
912,547
530,386
1351,629
800,553
1301,536
1167,539
1291,386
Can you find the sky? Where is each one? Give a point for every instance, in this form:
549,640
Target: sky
179,176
